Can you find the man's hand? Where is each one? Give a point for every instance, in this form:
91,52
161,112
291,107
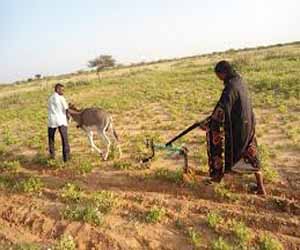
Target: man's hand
68,115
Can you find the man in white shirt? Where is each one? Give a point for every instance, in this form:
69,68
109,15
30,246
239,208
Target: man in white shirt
57,119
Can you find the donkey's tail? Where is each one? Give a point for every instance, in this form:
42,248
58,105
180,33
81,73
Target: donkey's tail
113,130
115,134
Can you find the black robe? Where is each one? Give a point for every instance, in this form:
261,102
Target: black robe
234,114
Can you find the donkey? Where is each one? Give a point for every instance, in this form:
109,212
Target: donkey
95,118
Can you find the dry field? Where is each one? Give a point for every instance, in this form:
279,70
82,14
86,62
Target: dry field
121,204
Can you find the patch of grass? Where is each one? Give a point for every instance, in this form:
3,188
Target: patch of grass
155,214
3,149
221,244
87,214
242,233
29,185
213,220
270,174
104,201
66,242
55,164
40,159
169,175
266,242
223,193
71,193
84,167
10,166
122,165
8,137
194,237
22,246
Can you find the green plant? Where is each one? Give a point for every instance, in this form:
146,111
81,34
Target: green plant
270,174
242,233
71,193
104,201
41,159
84,167
87,214
31,185
122,165
266,242
221,244
66,242
213,220
8,137
194,237
11,166
155,214
22,246
222,192
169,175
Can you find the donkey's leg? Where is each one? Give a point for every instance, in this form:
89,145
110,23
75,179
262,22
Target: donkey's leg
90,135
103,134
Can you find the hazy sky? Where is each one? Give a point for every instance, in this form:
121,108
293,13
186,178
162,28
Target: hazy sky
60,36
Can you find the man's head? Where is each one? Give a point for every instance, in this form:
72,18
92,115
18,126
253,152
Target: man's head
59,88
224,70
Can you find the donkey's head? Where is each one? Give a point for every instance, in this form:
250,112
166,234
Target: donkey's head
73,107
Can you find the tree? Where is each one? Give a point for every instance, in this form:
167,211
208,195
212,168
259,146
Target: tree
101,62
38,76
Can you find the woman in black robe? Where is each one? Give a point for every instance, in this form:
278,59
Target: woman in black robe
232,120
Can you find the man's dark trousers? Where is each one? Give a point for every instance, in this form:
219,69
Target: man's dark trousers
63,130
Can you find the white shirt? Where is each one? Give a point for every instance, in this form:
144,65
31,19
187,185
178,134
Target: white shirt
57,107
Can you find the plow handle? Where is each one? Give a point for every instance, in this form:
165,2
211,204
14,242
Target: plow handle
184,132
